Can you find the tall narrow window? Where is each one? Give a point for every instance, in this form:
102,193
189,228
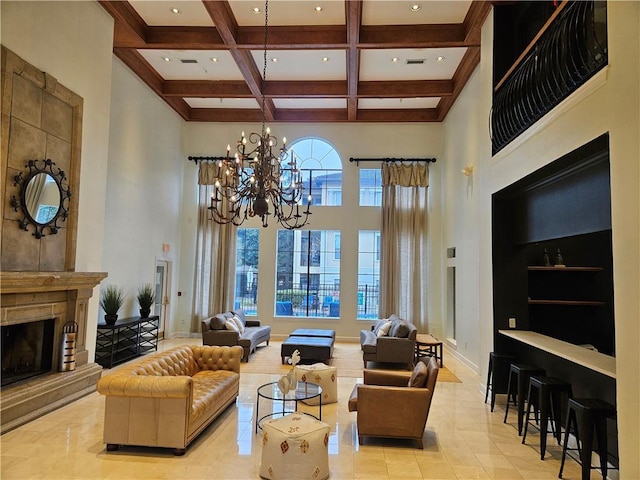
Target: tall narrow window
368,273
370,187
246,291
307,273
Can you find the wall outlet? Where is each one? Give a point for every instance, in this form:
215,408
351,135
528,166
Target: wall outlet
512,322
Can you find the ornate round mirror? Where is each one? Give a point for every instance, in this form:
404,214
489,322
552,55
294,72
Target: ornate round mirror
43,197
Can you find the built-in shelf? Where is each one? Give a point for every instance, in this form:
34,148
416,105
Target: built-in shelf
565,269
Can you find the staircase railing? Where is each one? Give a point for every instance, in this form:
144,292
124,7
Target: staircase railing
571,50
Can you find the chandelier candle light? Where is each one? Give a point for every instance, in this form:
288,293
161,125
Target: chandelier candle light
256,180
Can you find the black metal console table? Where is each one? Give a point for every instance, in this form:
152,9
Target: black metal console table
126,339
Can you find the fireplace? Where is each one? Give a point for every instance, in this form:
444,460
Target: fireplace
34,307
27,350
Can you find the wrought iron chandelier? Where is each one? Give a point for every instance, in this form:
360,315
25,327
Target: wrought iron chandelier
255,181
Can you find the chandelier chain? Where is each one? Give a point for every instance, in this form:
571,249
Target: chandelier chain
264,65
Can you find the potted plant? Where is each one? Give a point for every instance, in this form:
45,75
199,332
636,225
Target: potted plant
146,296
111,301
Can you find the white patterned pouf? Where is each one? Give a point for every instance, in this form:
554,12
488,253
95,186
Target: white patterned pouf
323,375
295,447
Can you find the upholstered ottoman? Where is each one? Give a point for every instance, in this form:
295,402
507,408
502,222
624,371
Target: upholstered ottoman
295,447
310,348
323,375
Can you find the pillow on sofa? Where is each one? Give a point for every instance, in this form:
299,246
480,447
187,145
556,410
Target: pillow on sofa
399,329
231,325
240,314
239,323
217,322
383,329
418,376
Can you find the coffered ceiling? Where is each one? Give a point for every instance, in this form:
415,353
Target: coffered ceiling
326,61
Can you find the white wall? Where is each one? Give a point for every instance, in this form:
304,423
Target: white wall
610,102
359,140
73,41
144,189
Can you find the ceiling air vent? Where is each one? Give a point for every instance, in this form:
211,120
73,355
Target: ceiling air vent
415,61
188,60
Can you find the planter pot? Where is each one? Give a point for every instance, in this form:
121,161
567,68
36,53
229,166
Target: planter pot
110,319
144,312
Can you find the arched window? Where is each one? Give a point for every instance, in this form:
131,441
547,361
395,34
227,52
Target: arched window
321,168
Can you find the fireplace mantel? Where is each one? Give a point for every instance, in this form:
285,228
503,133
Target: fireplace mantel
29,282
33,296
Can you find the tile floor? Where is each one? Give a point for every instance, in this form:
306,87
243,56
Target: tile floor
463,440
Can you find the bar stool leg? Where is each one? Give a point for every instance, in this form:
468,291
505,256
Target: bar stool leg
522,387
587,445
486,394
543,405
601,435
571,421
528,414
509,397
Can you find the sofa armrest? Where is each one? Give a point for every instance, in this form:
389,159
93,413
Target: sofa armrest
378,377
220,337
179,386
252,323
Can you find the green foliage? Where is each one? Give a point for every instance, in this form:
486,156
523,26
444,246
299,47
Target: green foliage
146,296
295,296
112,299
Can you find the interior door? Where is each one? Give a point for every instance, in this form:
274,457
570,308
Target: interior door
161,306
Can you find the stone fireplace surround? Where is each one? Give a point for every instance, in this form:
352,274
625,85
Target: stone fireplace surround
32,296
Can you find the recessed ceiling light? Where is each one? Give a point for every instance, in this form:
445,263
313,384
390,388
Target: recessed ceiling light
214,59
175,10
415,7
274,59
166,59
325,59
256,10
395,59
318,9
440,59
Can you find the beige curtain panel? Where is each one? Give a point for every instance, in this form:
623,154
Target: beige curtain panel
215,257
403,261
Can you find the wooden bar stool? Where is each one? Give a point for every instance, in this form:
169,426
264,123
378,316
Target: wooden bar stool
497,375
521,372
583,416
547,392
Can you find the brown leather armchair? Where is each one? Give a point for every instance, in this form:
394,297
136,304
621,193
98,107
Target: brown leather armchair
388,407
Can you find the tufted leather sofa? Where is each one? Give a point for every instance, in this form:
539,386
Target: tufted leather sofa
168,398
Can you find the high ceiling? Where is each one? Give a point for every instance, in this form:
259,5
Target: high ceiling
327,60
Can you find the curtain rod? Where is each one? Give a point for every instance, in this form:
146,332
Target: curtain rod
358,160
205,159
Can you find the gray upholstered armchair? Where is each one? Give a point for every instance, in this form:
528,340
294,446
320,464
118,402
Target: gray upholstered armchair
395,404
391,340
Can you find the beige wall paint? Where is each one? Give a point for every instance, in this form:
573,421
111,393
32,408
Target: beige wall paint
72,41
361,140
609,103
144,189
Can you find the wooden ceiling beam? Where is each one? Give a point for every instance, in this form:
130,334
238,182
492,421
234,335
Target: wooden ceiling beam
130,28
184,38
222,16
304,89
412,36
353,15
302,37
476,15
206,88
465,69
412,88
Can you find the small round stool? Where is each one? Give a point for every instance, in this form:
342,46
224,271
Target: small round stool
583,416
547,393
522,373
497,375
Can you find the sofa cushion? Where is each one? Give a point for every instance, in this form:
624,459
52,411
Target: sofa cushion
241,316
399,329
239,323
383,329
231,325
368,341
418,376
217,322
